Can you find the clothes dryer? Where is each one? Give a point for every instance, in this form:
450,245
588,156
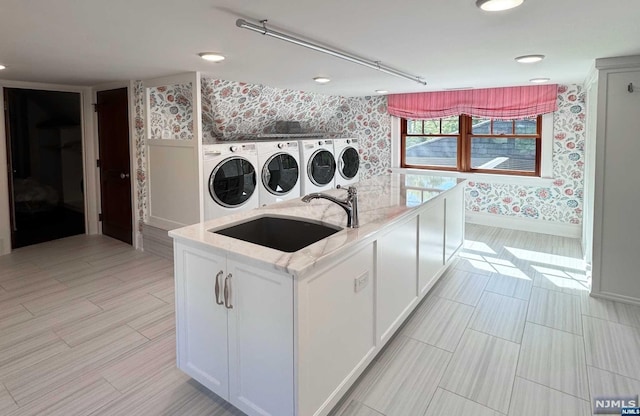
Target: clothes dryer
279,163
230,178
318,165
347,156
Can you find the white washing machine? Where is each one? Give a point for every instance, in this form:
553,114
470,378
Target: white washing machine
318,165
230,178
347,156
279,175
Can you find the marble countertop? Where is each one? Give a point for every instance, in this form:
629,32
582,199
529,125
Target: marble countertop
382,201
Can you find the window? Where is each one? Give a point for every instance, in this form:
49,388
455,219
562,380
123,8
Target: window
473,144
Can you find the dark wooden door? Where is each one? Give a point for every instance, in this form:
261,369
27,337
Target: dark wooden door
115,169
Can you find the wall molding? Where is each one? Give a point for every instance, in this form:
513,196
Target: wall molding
525,224
615,297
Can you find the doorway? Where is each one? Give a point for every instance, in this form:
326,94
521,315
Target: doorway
115,167
44,151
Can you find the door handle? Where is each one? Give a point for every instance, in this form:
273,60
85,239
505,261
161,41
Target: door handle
227,292
124,175
217,287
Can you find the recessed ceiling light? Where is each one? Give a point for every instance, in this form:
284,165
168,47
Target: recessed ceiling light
498,5
529,59
211,56
322,80
382,91
2,67
539,80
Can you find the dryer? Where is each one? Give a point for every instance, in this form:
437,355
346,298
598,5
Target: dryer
279,174
230,178
347,161
318,165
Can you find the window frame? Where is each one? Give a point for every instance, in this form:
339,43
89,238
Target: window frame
464,138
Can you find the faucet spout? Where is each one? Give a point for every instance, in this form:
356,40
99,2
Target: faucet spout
349,204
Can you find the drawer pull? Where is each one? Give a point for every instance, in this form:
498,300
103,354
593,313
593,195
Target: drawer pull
227,292
217,287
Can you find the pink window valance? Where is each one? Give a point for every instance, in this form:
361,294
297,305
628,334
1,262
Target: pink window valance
501,103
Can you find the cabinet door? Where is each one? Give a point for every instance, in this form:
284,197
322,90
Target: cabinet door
201,323
336,328
454,228
260,340
431,248
396,276
617,242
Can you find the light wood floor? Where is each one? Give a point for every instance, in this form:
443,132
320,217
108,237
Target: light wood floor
87,328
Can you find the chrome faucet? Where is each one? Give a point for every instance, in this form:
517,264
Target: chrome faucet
349,204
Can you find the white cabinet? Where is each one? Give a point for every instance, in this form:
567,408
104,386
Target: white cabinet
454,221
336,328
273,344
616,237
431,246
202,323
397,272
236,339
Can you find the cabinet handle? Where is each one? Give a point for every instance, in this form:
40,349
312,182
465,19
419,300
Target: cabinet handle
217,288
227,292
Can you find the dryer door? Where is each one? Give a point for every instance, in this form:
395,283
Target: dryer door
321,167
349,163
280,174
232,182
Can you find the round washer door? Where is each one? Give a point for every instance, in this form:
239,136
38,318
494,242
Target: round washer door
349,163
321,167
280,174
232,182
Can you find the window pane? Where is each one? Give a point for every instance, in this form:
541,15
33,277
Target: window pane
432,151
502,127
450,125
432,126
527,126
480,125
503,154
414,127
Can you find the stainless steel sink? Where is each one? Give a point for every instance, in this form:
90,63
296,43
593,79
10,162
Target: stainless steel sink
284,234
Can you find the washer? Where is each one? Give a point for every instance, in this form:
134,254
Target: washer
348,161
279,163
230,178
318,165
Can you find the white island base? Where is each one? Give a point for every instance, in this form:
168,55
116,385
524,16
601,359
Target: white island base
287,334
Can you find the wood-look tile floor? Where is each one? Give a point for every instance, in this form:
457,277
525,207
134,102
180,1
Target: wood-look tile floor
518,333
87,328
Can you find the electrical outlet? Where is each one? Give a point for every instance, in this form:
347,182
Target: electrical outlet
360,282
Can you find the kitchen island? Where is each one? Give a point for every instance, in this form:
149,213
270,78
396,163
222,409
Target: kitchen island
281,334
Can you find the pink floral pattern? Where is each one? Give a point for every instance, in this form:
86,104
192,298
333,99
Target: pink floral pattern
231,108
171,112
561,202
367,119
141,159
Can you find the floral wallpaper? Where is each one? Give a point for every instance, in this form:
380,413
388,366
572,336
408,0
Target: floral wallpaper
141,159
237,108
367,119
232,108
171,112
561,202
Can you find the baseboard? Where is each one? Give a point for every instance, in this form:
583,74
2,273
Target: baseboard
157,241
617,298
525,224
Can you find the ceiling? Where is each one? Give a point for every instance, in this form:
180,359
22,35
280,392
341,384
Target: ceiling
450,43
